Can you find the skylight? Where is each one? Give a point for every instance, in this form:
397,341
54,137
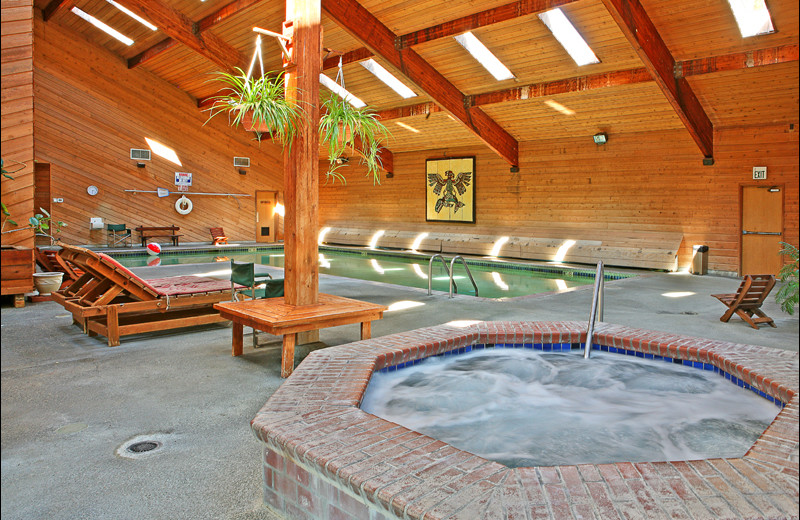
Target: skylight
103,27
163,151
133,15
406,126
479,51
568,37
752,16
340,91
384,75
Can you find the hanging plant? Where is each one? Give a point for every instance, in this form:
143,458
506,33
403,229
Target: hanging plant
257,104
343,126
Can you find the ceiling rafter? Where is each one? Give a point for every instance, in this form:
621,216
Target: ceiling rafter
203,25
180,28
458,26
696,67
644,37
362,25
56,6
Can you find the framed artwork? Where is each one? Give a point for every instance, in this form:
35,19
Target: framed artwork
450,189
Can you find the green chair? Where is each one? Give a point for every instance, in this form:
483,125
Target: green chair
116,233
255,286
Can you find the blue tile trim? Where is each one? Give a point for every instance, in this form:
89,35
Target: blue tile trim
551,347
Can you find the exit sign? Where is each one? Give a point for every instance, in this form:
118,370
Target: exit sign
759,172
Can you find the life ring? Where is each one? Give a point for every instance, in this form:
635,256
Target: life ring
183,205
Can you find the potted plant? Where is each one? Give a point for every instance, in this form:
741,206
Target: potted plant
787,296
343,126
257,104
260,105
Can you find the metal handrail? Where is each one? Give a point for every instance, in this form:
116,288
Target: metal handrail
597,306
452,270
430,271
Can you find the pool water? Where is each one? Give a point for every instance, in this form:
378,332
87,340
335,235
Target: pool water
494,279
523,408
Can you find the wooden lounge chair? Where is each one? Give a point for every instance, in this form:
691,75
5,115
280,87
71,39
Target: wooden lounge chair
109,299
218,236
50,261
747,300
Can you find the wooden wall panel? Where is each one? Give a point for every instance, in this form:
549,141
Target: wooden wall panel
651,181
17,120
90,110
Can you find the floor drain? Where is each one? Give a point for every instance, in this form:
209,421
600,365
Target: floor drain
141,447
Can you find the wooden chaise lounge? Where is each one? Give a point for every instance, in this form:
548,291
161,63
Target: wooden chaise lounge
50,261
747,300
110,300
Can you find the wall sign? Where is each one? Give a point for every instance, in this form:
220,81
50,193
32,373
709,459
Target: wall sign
183,179
450,190
759,172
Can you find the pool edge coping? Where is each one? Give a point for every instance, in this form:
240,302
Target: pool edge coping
313,419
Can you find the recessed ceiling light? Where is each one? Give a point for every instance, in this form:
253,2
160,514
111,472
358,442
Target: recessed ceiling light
479,51
341,91
752,16
103,27
384,75
568,37
133,15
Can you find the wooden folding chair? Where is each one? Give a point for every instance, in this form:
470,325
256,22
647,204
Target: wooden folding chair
747,300
218,236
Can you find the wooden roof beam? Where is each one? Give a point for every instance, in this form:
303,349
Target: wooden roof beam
696,67
180,28
643,35
458,26
56,6
362,25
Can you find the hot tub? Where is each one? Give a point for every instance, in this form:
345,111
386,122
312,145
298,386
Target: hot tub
326,458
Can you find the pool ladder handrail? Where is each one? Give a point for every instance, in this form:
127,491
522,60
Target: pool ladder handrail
452,271
597,306
430,271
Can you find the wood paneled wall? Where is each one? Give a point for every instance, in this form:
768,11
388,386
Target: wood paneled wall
90,110
652,181
17,119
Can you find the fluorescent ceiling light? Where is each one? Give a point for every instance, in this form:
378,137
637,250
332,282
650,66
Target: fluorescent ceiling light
568,37
340,91
384,75
752,16
103,27
484,56
555,105
162,151
133,15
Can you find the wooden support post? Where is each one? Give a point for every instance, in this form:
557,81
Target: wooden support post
301,159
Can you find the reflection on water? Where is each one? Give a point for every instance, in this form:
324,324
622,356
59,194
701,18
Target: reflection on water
493,281
525,408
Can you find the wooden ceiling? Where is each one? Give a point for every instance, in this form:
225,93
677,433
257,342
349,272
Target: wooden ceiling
664,65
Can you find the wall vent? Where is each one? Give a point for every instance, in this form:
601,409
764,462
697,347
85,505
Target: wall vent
140,155
241,162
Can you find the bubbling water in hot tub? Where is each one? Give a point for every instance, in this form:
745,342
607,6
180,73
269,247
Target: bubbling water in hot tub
522,407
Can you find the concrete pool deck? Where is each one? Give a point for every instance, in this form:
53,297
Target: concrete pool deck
69,402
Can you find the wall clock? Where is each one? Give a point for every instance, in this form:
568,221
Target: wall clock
92,190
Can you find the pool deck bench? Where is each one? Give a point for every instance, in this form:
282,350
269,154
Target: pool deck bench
170,232
275,316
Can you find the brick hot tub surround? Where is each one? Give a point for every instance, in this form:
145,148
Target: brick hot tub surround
325,458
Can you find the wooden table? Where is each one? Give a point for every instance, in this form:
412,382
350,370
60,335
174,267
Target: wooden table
275,316
171,232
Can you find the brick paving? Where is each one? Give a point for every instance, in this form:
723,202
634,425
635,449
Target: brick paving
324,458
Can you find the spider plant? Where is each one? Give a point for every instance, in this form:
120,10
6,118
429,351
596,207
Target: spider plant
344,126
258,104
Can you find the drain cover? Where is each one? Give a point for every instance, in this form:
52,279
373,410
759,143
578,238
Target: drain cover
141,447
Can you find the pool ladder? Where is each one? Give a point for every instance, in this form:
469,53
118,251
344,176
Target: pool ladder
449,273
597,306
